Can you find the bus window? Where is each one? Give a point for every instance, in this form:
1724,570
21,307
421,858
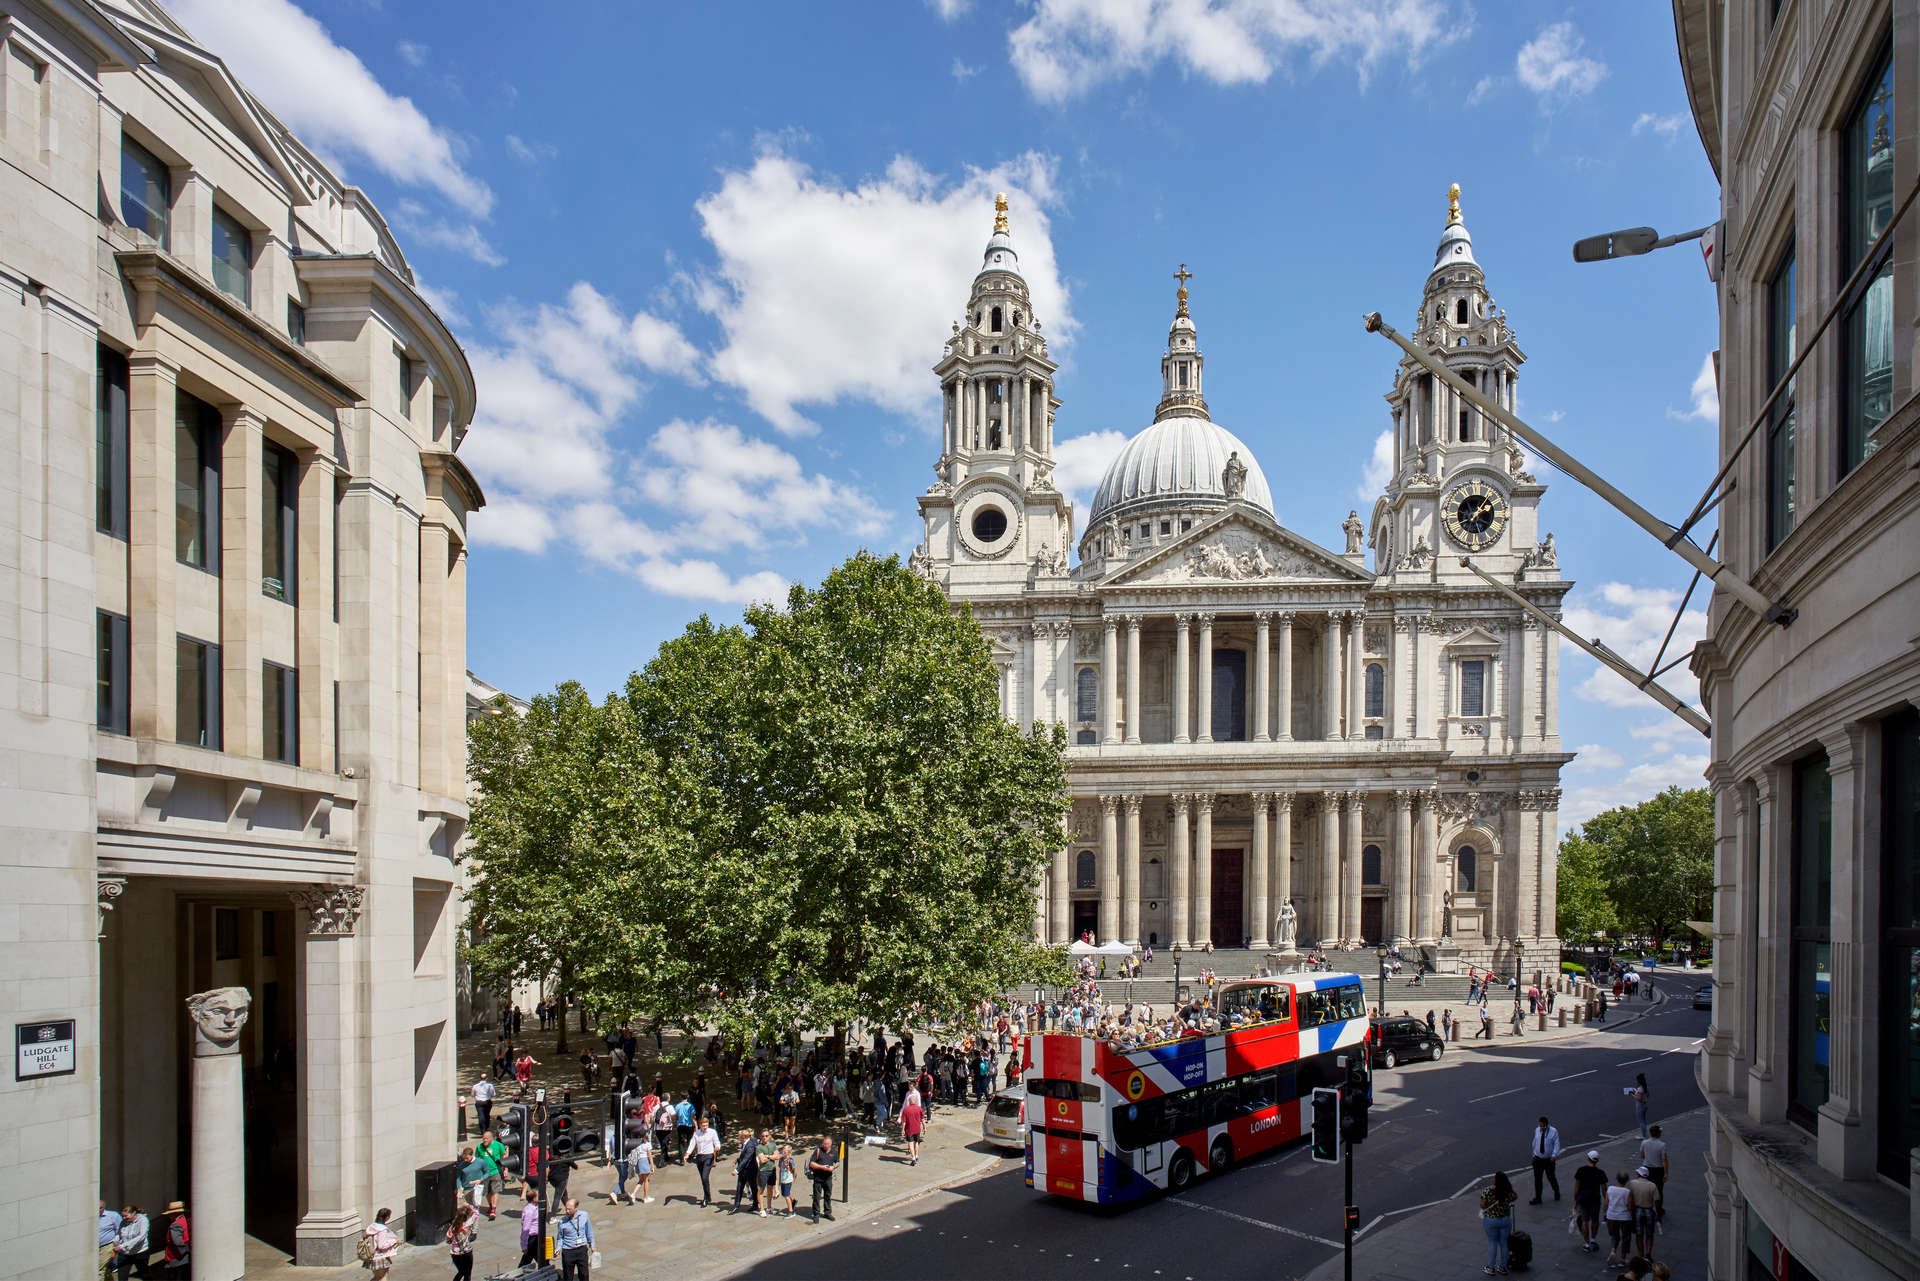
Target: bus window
1135,1125
1081,1090
1349,1002
1257,1092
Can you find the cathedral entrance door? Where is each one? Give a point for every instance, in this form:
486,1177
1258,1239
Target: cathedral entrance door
1226,899
1372,914
1086,918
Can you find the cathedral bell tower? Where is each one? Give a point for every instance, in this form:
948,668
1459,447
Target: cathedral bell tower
1458,485
993,513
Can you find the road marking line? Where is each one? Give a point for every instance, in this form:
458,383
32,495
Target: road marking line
1258,1223
1556,1080
1631,1062
1483,1098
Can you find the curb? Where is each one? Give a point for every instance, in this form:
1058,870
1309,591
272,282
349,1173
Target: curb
1660,998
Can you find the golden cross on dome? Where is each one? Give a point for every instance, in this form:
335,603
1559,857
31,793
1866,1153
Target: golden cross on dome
1000,214
1183,276
1453,205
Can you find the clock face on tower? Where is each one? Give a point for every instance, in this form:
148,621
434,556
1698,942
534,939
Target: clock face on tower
1475,514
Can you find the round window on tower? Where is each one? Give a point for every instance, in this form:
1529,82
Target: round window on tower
989,524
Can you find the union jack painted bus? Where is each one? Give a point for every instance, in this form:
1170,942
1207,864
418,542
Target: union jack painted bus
1113,1125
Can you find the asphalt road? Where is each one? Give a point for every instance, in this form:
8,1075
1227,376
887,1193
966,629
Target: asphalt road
1436,1127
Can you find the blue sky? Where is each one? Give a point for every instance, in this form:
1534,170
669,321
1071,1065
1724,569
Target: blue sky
703,256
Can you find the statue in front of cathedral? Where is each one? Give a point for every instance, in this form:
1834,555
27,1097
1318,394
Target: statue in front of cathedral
1289,923
1233,479
1355,532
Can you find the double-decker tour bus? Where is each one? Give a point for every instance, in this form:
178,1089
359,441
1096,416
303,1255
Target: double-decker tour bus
1111,1124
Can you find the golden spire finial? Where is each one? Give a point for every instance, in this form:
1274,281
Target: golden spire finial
1453,205
1183,276
1000,226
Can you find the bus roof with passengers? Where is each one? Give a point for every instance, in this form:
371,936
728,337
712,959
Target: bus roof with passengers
1110,1122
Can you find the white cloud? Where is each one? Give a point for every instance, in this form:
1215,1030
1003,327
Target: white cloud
1667,127
418,227
1551,65
1643,781
949,10
1595,756
1555,415
327,96
1631,621
729,489
1378,470
1068,46
414,53
531,153
1482,90
512,523
883,265
1705,395
962,72
661,346
1080,461
445,302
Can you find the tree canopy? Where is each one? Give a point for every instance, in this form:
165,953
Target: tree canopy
820,813
1645,869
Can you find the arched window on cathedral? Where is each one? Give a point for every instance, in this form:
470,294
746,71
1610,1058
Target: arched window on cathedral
1086,695
1439,313
1459,312
1370,865
1466,424
1463,859
1083,870
996,318
1016,320
1376,690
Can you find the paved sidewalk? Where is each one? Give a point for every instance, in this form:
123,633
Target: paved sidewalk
1445,1240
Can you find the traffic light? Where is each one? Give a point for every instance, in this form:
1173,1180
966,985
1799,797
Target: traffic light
630,1129
1355,1099
1353,1218
572,1132
515,1129
1326,1124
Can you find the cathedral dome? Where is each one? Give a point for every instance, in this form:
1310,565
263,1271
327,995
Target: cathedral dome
1181,457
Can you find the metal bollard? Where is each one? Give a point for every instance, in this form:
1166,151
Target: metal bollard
1542,1025
1563,1018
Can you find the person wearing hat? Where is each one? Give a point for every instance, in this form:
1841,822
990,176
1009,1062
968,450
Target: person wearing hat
1644,1197
1589,1192
174,1259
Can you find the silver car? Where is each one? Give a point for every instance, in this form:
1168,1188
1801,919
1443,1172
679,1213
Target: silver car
1004,1124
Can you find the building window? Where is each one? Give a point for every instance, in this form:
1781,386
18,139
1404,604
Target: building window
1083,870
279,534
1866,185
196,464
1183,373
110,443
1780,350
232,256
1229,696
1375,733
196,706
1084,738
339,501
1166,527
280,714
296,322
1473,687
1466,424
1086,695
1376,690
406,382
1810,1002
112,671
1370,865
1900,945
226,933
1463,861
996,320
146,191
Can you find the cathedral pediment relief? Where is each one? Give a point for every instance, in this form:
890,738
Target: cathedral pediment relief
1239,547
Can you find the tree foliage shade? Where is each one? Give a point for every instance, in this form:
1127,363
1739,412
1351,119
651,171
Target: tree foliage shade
1642,869
820,813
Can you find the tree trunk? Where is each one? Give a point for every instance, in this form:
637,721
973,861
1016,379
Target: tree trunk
560,998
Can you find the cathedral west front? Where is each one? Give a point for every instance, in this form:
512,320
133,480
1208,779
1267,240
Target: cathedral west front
1361,728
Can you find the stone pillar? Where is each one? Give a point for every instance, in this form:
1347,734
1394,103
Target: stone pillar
1063,672
1130,873
1356,815
1203,868
1327,891
218,1194
242,607
1283,713
1109,679
1203,733
1040,907
1282,880
437,726
1848,1139
154,671
1549,920
1356,675
1182,726
1425,676
1330,673
1182,864
1262,694
1425,868
1133,680
1062,893
1038,661
333,1099
1257,889
1400,928
314,617
1107,871
1550,704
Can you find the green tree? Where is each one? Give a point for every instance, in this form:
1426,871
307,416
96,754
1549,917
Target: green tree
1657,858
1585,908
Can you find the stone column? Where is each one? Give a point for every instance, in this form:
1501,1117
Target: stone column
1400,888
1062,893
1425,682
1330,723
242,607
1426,868
1848,1137
218,1194
1130,873
1182,725
314,616
1356,814
1038,660
1282,852
1203,868
1204,731
1040,907
1109,867
437,726
1327,892
332,1156
1399,679
1356,675
1283,713
1133,679
1550,704
1063,672
1549,893
1109,679
1182,864
1257,890
1518,677
154,671
1262,639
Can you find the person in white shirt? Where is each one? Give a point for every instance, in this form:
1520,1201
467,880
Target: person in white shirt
483,1101
1546,1151
702,1148
130,1251
1653,1155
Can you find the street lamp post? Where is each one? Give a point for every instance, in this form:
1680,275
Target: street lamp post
1381,955
1176,976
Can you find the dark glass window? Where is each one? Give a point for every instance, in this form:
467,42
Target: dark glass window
196,462
1810,1001
1466,424
406,382
110,443
1867,190
226,933
280,714
197,694
996,320
1083,870
1229,696
989,524
1899,1120
146,191
1463,861
279,533
113,671
296,322
1460,312
1086,695
1473,688
232,256
1370,865
1780,352
1376,690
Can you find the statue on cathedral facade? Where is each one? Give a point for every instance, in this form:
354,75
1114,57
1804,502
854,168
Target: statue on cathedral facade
1355,532
1233,480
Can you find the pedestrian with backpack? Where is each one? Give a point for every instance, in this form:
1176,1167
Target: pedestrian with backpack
378,1245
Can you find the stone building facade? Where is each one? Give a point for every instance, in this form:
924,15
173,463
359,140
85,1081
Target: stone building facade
1810,114
1255,718
233,671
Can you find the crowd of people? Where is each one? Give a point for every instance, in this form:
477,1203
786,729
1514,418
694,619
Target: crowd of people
127,1242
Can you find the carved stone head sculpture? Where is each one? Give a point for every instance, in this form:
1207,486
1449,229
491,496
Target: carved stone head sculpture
219,1015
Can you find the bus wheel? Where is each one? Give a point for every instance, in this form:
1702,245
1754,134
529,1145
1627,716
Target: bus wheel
1222,1155
1180,1173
